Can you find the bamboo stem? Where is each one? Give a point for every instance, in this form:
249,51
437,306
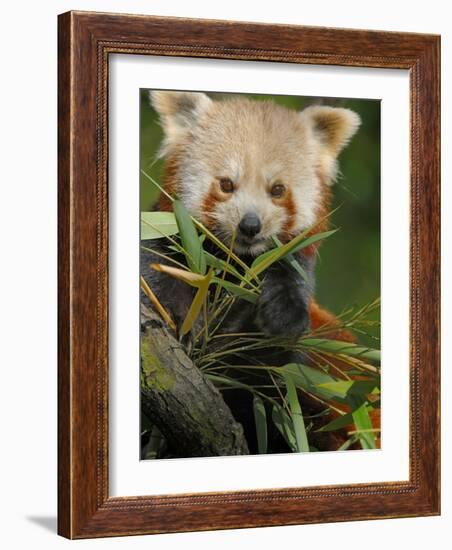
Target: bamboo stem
156,303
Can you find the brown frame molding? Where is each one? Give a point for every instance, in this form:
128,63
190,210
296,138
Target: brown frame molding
84,43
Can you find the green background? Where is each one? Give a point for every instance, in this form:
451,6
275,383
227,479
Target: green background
348,269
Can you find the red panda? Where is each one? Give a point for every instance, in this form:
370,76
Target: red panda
258,169
254,169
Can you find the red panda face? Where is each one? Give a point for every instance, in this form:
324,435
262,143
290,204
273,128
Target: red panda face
250,170
249,196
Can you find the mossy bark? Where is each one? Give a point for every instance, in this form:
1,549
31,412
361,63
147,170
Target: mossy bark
186,407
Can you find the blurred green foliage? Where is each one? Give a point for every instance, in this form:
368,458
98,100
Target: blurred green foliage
348,269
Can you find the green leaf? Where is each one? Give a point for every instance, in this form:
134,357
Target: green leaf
265,260
237,290
363,424
340,422
263,257
337,423
284,424
260,418
156,225
345,388
309,379
191,242
313,239
290,259
338,346
196,304
221,265
296,265
297,415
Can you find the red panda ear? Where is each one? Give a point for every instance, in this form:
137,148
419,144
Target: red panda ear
333,126
179,113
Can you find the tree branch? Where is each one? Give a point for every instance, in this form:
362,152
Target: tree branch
185,406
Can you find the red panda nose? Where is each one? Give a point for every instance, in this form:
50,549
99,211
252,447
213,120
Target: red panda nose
250,225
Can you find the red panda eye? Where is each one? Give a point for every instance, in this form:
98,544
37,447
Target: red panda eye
226,185
277,190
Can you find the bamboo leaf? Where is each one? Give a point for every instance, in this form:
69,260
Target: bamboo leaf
197,304
337,423
260,419
340,422
291,260
313,239
345,348
193,279
296,265
156,225
284,424
237,290
190,239
265,260
363,424
297,415
221,265
345,388
309,379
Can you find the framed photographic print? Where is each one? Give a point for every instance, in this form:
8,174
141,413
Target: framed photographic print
248,275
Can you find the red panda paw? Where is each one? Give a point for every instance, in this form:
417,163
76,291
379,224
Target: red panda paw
283,306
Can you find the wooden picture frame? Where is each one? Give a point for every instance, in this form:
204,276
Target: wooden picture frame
86,40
